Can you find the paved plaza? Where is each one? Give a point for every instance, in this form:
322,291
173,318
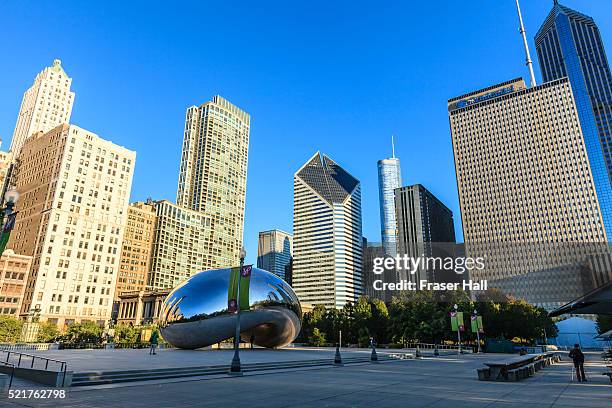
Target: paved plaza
431,382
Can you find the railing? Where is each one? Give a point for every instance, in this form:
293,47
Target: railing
12,372
20,357
28,346
427,346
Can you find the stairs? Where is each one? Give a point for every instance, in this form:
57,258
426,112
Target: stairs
113,377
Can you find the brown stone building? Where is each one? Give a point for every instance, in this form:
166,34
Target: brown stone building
14,271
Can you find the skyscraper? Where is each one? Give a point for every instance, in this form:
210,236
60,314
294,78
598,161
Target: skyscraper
523,176
569,45
46,104
182,245
135,262
389,178
327,254
423,223
274,251
213,173
371,251
74,189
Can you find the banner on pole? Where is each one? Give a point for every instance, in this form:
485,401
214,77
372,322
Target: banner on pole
232,295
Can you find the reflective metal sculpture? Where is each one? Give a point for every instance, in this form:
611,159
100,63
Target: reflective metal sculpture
202,310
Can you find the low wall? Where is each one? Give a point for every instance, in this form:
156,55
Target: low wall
29,346
52,378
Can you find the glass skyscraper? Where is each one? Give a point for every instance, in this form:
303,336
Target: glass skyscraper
389,178
274,251
569,45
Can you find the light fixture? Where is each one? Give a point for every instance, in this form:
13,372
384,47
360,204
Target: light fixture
11,196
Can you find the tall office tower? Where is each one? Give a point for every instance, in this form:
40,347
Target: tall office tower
424,225
14,271
569,45
74,189
372,250
46,104
274,251
389,178
212,178
181,246
135,260
326,233
524,178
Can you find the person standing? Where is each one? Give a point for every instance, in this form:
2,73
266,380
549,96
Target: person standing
154,339
577,357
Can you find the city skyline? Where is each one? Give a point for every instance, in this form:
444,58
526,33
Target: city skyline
156,177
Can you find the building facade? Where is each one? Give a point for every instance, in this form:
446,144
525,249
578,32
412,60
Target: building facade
14,272
181,246
140,308
569,45
213,173
425,225
135,261
389,178
327,253
45,105
371,251
74,189
274,251
524,176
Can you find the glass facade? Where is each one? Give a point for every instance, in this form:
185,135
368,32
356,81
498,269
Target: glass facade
274,251
389,178
569,44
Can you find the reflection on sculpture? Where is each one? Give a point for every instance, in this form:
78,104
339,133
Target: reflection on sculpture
200,311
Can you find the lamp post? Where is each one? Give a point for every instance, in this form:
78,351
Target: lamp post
477,330
458,328
7,217
235,368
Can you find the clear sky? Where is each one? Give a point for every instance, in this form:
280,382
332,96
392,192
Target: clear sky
334,76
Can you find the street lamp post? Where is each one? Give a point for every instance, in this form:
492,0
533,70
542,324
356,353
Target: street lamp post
7,217
235,368
477,330
458,328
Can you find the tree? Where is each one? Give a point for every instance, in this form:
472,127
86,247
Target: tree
126,334
317,339
47,332
85,332
604,323
10,329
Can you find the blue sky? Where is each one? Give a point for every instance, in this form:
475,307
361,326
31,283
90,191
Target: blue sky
334,76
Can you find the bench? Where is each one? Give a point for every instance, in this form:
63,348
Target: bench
516,368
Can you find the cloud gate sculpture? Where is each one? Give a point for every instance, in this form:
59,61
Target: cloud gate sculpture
202,310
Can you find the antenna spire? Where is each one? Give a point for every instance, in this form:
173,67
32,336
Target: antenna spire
527,55
392,147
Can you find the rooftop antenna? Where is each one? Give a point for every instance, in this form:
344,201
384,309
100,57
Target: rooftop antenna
392,147
527,56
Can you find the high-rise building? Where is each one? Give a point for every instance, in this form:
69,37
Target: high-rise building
6,159
326,233
14,272
423,223
135,262
181,246
389,178
569,45
371,251
274,251
213,173
46,104
524,176
74,189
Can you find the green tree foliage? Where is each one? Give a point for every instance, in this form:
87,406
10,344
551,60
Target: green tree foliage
85,332
126,334
317,338
423,316
10,329
604,323
47,332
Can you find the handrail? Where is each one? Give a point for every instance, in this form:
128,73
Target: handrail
63,364
12,372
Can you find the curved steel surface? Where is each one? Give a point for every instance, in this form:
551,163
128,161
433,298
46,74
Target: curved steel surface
196,314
